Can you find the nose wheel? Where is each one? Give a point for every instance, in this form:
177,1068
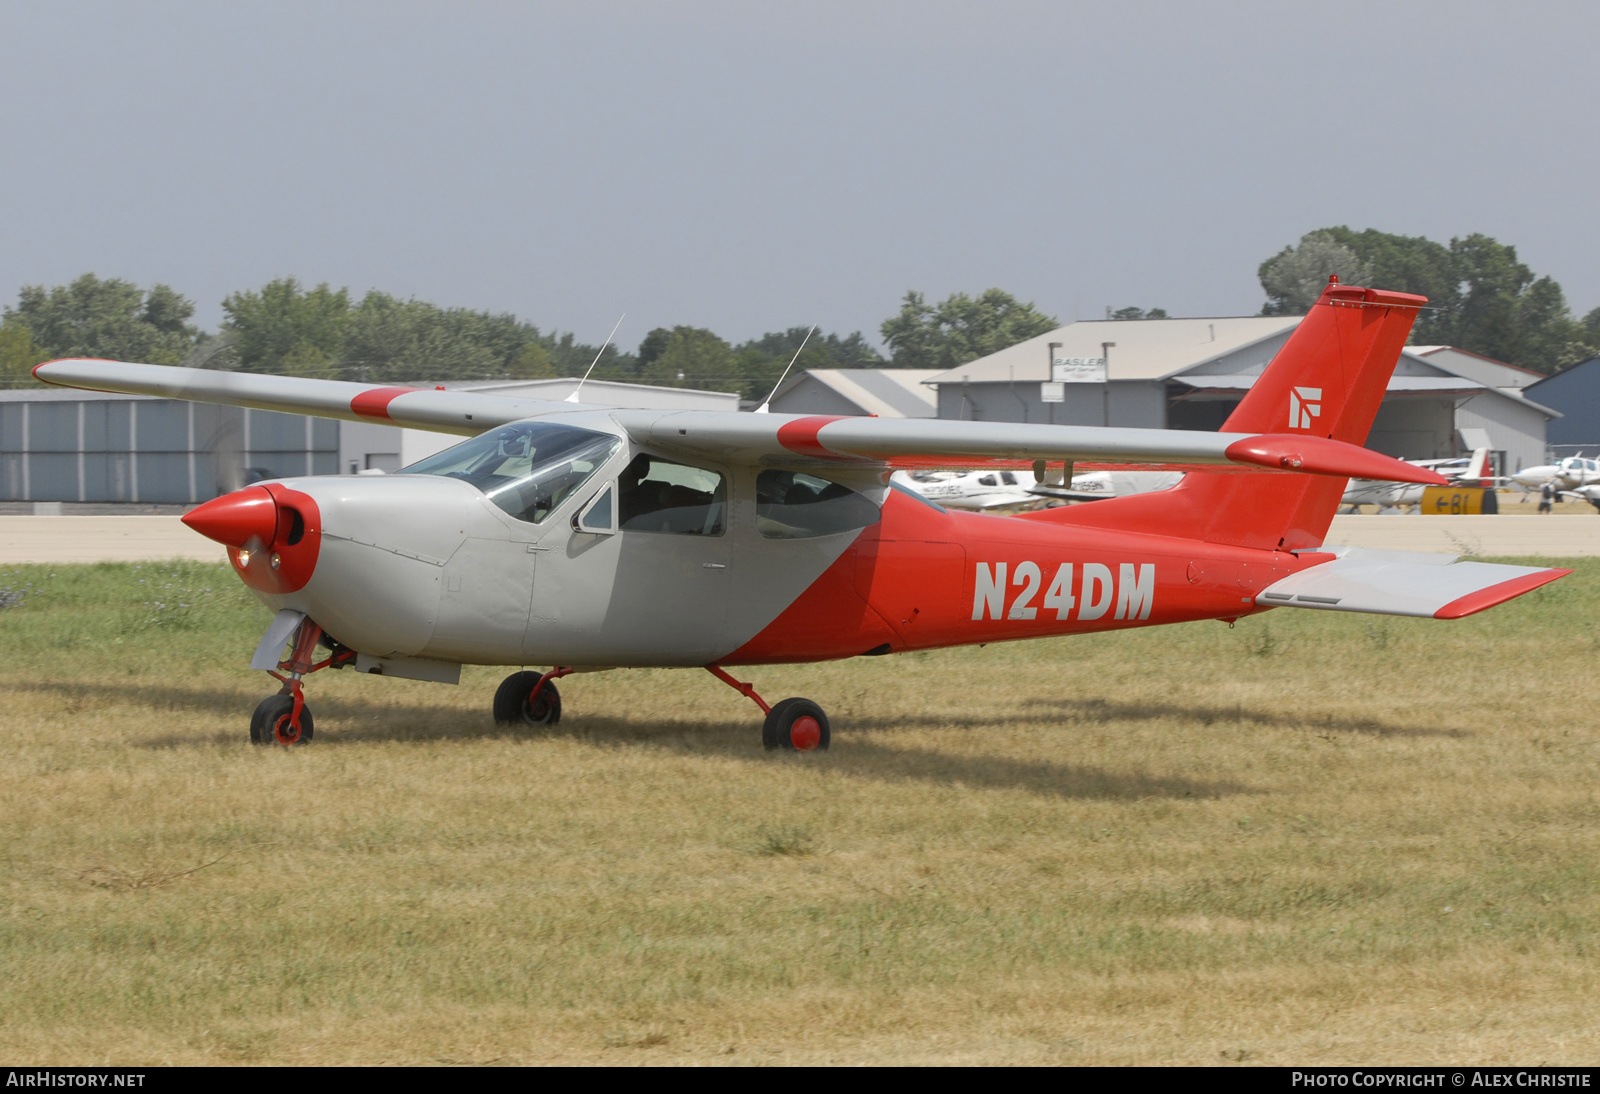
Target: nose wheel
274,723
792,725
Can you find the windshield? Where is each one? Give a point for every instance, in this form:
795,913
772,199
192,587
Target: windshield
526,468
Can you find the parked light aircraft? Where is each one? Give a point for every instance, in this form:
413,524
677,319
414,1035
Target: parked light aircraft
999,489
989,488
1569,474
1460,471
583,537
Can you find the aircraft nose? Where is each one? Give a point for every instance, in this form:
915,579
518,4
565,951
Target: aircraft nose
236,519
273,530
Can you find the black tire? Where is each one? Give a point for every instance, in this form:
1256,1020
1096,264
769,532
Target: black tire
786,728
274,711
257,717
511,706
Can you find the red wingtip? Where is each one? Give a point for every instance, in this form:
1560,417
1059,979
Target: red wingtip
1497,594
237,519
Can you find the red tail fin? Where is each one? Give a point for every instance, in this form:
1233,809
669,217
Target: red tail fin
1328,380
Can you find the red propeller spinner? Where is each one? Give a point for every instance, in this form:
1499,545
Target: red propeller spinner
246,519
275,533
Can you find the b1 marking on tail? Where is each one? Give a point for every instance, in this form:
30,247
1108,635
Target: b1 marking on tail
1305,403
1133,590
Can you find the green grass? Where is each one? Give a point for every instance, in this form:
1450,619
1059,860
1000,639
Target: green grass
1312,838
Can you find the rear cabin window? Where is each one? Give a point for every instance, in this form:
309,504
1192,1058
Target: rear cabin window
656,495
794,505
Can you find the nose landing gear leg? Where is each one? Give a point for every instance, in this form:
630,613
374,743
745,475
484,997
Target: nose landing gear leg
792,725
284,718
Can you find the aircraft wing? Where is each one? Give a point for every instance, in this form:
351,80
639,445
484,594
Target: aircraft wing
936,442
757,438
1360,579
464,412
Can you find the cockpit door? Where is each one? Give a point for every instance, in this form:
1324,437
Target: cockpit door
653,587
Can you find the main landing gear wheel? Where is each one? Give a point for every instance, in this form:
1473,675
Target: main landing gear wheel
270,724
515,703
796,725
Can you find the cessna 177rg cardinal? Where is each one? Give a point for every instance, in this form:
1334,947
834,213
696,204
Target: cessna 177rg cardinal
583,537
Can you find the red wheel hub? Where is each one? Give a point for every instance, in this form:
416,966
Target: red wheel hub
805,734
285,731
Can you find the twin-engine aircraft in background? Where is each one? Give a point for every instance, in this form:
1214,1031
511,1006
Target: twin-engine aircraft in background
582,537
1573,474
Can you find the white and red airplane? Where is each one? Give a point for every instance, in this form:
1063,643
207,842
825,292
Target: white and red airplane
997,489
1473,471
583,537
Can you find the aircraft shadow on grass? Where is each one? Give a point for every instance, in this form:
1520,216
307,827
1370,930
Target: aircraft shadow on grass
1104,710
857,754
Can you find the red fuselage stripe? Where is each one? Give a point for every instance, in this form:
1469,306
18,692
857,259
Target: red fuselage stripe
374,403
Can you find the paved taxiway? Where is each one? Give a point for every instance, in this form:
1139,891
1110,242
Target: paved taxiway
101,539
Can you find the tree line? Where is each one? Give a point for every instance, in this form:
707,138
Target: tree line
290,329
1483,299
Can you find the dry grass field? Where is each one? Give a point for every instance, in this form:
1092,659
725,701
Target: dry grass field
1311,839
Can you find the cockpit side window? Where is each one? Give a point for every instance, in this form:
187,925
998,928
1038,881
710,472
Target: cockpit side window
527,468
794,505
657,495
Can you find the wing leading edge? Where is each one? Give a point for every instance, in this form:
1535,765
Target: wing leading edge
463,412
757,438
937,442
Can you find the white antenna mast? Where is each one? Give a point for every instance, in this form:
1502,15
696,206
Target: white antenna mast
573,398
766,407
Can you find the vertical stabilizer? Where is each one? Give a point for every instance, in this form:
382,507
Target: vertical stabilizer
1328,380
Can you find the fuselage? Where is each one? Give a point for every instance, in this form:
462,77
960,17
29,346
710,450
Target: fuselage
430,566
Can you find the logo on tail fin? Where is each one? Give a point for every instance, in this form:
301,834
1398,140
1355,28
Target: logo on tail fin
1305,403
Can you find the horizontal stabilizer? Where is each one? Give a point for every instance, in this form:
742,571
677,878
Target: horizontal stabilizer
1359,579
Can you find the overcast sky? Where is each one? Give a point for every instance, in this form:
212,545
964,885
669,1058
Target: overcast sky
753,166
